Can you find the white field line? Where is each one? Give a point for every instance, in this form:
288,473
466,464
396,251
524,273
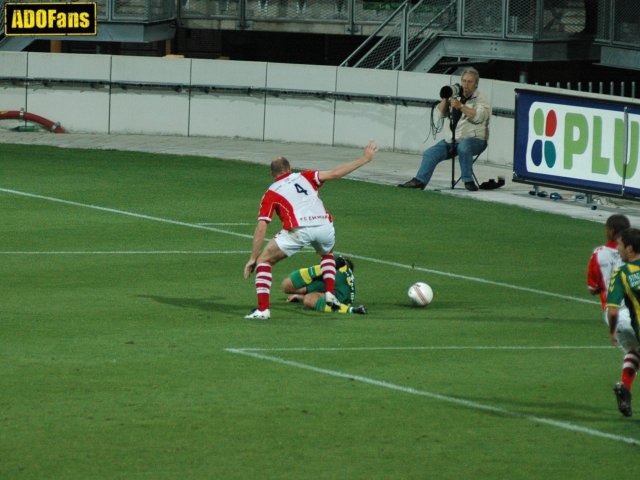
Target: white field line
132,252
470,278
226,223
360,257
442,398
123,212
427,348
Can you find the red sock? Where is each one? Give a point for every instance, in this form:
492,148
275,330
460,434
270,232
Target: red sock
630,368
328,270
263,285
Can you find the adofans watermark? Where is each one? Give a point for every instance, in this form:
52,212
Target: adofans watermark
47,19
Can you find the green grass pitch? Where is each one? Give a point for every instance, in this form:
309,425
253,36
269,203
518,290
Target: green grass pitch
124,353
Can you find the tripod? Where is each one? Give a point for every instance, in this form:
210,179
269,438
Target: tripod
454,117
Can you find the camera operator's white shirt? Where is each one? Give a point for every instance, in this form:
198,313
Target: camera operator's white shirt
479,126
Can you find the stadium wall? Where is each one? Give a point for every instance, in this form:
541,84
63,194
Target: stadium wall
221,98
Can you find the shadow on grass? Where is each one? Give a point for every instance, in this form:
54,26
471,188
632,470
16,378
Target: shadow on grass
206,305
284,313
561,410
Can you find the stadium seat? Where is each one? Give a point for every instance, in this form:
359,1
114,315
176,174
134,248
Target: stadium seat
455,181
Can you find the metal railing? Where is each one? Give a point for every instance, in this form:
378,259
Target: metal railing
413,27
311,16
404,35
619,23
617,20
142,11
401,32
533,19
615,88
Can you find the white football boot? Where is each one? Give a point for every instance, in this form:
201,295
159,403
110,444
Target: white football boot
259,314
332,301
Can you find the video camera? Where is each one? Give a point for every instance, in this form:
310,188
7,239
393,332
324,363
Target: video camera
449,91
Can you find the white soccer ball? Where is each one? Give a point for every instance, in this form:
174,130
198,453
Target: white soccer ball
420,294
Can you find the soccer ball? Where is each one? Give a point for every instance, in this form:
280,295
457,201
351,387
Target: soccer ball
420,294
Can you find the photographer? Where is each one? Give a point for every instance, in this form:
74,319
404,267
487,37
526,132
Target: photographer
469,113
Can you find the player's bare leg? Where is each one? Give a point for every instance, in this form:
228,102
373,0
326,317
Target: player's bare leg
295,295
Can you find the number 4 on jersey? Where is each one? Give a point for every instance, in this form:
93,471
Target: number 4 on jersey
299,189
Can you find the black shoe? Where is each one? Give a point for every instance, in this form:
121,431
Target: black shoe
471,186
413,183
624,399
360,310
492,184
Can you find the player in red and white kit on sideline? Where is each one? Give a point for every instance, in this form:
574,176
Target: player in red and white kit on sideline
605,259
602,264
305,221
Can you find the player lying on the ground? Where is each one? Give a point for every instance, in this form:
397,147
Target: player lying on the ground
306,286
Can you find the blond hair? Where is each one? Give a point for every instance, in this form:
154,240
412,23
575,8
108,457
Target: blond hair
279,165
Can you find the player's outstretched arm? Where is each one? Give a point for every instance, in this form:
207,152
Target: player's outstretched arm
346,168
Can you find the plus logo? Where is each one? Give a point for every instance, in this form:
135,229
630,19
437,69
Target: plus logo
580,140
543,148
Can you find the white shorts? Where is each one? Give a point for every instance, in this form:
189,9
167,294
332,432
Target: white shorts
625,334
322,238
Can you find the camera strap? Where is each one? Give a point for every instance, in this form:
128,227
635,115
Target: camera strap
455,117
457,114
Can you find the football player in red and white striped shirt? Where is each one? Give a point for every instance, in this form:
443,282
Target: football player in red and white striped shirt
605,259
305,221
602,264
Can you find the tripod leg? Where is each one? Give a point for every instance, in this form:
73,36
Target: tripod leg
453,172
453,152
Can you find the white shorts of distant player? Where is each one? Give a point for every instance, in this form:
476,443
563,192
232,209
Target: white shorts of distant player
321,237
625,334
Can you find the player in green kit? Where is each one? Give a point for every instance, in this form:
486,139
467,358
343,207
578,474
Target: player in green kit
307,286
625,287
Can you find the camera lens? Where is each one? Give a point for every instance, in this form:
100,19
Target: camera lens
446,92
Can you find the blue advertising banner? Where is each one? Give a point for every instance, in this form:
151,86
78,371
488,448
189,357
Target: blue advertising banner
579,143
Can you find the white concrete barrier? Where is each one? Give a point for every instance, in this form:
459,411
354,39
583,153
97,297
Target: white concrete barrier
255,100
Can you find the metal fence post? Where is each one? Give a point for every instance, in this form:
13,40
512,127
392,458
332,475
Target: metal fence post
351,17
404,36
242,14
